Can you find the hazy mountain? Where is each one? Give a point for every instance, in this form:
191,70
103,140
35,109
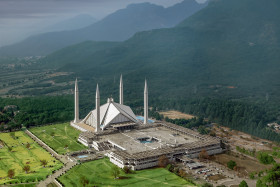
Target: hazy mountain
230,48
118,26
77,22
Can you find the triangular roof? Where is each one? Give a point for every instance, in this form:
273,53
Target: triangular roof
111,113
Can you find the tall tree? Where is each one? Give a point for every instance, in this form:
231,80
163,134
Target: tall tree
11,173
84,181
26,168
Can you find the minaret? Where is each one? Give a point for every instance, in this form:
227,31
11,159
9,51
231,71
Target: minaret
146,103
97,107
121,91
76,120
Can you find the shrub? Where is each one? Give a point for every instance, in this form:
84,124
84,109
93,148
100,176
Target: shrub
231,164
243,184
264,158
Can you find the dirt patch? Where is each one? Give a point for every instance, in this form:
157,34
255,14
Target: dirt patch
245,165
172,114
216,177
243,140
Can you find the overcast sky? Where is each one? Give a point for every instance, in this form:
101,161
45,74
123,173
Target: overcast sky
21,18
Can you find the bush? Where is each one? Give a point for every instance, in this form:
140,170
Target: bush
126,169
207,185
169,167
264,158
243,184
231,164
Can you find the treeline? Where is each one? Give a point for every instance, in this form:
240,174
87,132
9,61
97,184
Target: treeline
244,116
34,111
251,118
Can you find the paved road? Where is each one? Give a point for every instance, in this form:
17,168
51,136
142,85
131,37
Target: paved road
58,173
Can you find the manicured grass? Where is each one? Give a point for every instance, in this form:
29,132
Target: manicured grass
58,136
20,156
98,173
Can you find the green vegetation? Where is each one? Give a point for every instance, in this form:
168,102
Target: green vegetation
243,184
231,164
272,177
22,165
265,158
34,111
245,151
99,173
60,137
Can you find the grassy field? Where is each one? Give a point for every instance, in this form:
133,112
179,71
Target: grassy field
98,173
19,156
58,136
172,114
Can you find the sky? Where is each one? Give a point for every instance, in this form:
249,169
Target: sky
22,18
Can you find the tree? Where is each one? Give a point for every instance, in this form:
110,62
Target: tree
13,135
207,185
11,173
115,171
243,184
10,149
84,181
28,145
264,158
273,176
182,173
203,154
44,162
126,169
163,161
52,134
26,168
231,164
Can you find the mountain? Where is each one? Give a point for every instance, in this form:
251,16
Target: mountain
117,26
77,22
75,53
229,49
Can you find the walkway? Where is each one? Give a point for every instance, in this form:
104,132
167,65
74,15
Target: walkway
64,159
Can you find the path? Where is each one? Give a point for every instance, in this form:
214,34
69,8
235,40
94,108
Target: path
67,163
67,166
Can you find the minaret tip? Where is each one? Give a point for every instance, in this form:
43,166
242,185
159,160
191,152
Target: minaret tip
121,90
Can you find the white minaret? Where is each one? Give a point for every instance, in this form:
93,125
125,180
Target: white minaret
146,103
121,91
76,120
97,107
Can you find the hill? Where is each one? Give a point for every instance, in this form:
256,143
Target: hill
230,48
77,22
117,26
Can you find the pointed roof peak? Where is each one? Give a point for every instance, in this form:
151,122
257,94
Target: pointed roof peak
97,91
146,86
76,85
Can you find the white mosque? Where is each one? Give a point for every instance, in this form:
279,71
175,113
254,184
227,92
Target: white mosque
114,130
110,115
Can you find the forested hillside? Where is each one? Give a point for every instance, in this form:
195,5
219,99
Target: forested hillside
221,63
214,52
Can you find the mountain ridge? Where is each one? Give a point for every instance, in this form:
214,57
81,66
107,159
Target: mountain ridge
218,53
117,26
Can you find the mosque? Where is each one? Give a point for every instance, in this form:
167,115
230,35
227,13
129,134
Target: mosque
114,129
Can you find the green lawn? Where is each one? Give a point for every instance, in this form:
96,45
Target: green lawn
98,173
20,156
58,136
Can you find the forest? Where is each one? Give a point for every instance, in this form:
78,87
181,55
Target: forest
248,117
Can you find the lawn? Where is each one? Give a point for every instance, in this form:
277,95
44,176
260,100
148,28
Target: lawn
20,155
98,173
58,137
